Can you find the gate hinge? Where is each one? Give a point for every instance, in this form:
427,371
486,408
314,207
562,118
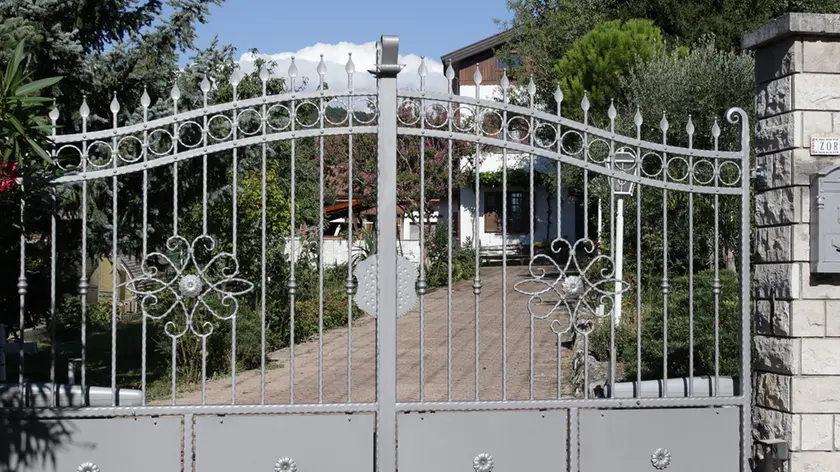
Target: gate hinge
778,449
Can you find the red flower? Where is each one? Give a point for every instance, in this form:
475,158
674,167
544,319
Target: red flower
8,175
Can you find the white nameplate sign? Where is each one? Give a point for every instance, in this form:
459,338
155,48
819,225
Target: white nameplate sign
825,146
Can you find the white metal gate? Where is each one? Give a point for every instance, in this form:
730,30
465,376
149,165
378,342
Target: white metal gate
513,386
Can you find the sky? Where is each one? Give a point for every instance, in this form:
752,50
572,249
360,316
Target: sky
306,29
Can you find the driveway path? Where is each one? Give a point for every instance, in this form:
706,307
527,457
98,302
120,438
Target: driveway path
408,353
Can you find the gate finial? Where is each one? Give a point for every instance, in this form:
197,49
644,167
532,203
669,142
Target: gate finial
558,95
584,104
54,113
235,78
115,104
350,68
145,100
205,85
84,110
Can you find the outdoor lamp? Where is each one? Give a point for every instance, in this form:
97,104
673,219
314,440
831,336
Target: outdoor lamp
623,160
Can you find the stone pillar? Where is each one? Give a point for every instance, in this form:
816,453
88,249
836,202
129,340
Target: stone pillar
797,338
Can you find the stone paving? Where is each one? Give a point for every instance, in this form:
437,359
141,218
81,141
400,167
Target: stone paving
435,344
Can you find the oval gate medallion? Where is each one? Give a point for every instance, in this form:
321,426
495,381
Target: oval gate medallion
406,276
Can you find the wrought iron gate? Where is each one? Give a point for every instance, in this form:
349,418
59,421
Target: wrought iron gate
512,387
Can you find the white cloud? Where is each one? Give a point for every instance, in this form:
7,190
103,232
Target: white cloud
335,58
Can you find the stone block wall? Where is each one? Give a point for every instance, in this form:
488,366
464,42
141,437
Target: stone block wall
797,341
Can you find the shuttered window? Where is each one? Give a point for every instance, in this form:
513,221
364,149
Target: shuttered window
492,212
517,213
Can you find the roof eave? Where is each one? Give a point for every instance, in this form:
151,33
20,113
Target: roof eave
477,47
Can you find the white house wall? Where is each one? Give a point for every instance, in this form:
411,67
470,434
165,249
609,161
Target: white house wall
492,162
335,250
488,92
543,229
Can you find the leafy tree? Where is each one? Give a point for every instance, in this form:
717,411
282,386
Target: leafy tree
598,61
688,21
71,38
701,85
68,38
544,31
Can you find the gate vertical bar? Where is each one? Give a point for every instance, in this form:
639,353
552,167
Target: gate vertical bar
350,68
386,295
737,115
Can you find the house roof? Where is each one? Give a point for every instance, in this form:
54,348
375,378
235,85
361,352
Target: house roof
477,47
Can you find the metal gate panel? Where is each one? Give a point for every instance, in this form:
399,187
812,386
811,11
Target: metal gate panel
284,443
545,361
136,444
484,441
676,440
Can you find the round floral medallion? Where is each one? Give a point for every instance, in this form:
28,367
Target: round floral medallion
483,462
88,467
660,459
190,286
285,464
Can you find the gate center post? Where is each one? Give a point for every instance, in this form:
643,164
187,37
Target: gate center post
386,71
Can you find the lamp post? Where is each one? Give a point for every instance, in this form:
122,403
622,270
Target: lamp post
624,161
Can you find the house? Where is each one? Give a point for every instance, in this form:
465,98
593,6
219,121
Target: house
364,219
100,281
482,54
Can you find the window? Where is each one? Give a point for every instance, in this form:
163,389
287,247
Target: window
517,213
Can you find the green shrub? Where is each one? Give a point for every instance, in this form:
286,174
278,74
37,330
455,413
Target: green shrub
367,248
437,265
729,329
218,343
69,314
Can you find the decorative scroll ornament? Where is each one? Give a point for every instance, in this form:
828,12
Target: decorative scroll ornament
579,288
483,462
285,464
88,467
180,276
406,276
660,459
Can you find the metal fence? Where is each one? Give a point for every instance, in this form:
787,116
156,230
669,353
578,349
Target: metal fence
236,343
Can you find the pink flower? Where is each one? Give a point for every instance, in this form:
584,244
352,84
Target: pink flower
8,175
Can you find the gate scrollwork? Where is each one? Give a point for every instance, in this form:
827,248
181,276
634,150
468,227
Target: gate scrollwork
189,284
580,288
